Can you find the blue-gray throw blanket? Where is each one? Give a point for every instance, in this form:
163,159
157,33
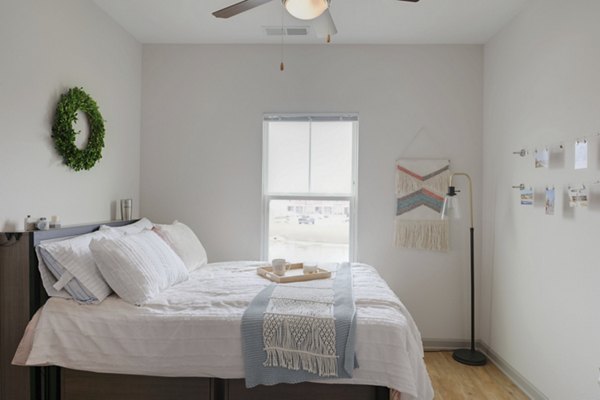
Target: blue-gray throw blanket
287,339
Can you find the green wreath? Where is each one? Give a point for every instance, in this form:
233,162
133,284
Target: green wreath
64,134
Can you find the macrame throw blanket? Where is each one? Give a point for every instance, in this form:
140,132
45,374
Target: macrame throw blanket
300,331
420,189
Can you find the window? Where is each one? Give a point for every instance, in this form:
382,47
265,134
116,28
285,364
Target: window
309,187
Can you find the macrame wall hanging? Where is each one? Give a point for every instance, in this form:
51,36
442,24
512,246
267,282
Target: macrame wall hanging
420,188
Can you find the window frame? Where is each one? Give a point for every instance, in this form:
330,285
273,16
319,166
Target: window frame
352,198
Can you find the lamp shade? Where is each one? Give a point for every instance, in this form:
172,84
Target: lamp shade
451,208
306,9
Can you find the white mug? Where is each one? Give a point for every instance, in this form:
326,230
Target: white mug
279,266
310,268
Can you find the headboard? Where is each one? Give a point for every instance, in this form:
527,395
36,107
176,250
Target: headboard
21,295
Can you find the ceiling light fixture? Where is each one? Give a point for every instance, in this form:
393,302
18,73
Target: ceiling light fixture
306,9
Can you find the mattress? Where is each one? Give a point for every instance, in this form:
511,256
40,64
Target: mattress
193,330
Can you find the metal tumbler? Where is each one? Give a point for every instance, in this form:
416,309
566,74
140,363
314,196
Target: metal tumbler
126,208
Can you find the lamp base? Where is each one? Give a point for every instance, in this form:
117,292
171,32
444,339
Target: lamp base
469,357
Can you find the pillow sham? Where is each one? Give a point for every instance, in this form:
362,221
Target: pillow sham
185,243
73,268
138,266
64,280
48,278
134,228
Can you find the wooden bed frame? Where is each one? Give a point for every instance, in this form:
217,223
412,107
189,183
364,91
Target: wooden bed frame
22,294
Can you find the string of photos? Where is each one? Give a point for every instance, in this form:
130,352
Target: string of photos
543,154
578,195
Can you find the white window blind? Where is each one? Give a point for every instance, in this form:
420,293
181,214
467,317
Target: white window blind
309,187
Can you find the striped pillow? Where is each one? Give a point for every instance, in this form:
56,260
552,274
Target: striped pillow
138,267
136,227
72,265
185,243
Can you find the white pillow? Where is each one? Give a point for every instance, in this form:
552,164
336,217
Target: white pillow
136,227
138,267
73,268
185,243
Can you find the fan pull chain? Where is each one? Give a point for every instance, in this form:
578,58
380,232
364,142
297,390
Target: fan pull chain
282,65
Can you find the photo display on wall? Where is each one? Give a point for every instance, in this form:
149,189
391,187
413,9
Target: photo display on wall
581,154
527,197
542,158
553,157
550,198
578,197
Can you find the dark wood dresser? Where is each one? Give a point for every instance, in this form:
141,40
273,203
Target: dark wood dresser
15,311
21,294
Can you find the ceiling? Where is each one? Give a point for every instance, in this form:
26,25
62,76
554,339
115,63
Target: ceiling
358,21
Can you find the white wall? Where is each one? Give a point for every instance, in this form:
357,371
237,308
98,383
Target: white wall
541,283
201,146
47,47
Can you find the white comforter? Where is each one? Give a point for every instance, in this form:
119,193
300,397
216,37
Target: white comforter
193,329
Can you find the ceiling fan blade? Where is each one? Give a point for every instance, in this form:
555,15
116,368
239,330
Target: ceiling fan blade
238,8
412,1
324,26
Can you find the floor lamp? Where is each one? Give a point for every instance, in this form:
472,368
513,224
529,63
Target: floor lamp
451,210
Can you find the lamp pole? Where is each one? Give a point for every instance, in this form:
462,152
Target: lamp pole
468,356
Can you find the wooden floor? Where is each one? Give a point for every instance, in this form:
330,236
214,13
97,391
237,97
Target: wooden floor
454,381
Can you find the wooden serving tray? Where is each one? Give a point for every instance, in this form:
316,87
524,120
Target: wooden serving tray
294,273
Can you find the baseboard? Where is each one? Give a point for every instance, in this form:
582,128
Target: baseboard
450,344
444,344
518,379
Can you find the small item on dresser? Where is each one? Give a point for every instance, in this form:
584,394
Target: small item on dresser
42,224
279,266
55,222
27,224
126,208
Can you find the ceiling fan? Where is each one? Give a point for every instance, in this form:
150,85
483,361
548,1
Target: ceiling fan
317,10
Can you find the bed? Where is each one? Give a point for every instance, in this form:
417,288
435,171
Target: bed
186,343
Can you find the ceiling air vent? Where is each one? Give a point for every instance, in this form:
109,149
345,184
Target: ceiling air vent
286,30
